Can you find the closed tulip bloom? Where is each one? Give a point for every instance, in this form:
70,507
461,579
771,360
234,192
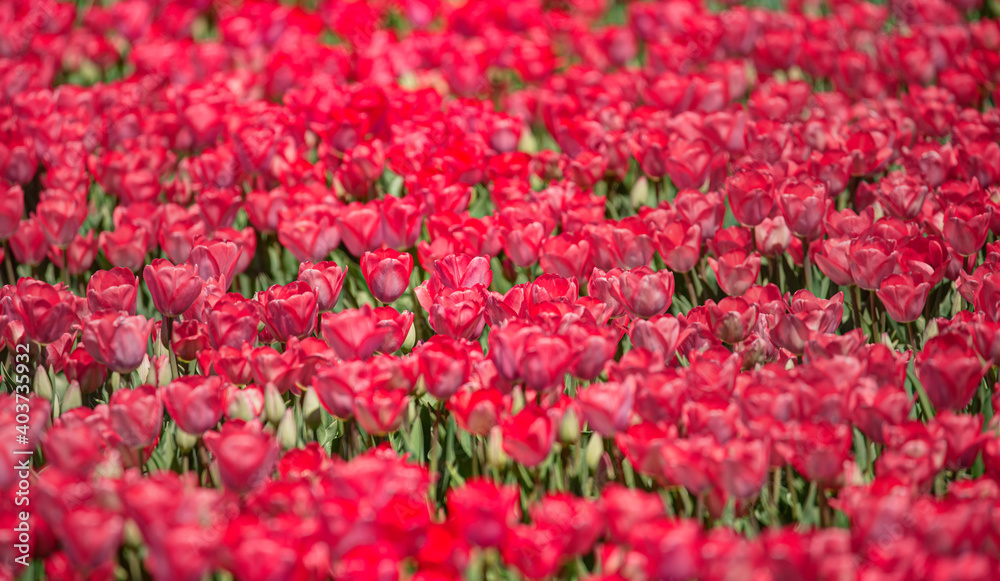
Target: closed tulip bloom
445,364
463,271
658,334
402,220
90,535
902,297
833,257
43,310
950,371
310,234
353,333
136,415
459,313
289,311
126,246
679,246
607,407
326,280
399,325
534,551
871,260
173,288
476,410
528,436
646,293
380,410
804,203
194,402
736,271
483,511
245,453
387,273
215,259
360,227
11,210
112,290
60,217
578,521
28,244
966,226
117,341
232,322
751,194
82,368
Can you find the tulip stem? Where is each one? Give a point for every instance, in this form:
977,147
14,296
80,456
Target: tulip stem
912,332
807,265
856,306
166,338
876,319
790,476
692,293
11,278
823,506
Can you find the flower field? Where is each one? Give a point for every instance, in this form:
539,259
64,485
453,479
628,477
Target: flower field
429,290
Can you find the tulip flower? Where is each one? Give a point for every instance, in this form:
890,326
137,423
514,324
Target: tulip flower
117,341
113,290
246,455
646,293
902,297
387,273
194,402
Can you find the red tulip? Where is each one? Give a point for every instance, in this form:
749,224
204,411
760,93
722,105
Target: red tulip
949,370
902,297
445,364
528,436
116,340
380,410
194,402
679,246
232,322
246,455
804,203
188,339
476,410
28,244
112,290
736,271
353,333
91,536
483,512
607,407
173,288
11,210
534,551
732,319
387,273
402,220
43,310
646,293
399,325
215,259
751,194
360,227
459,313
82,368
579,522
288,311
60,216
126,246
137,415
309,234
326,280
966,226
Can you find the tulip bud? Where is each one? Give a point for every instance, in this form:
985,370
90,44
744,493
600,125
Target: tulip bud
411,338
145,366
595,450
73,398
639,192
516,401
56,408
569,430
131,535
527,143
43,387
495,456
930,331
60,383
159,371
312,413
274,405
287,431
185,441
240,408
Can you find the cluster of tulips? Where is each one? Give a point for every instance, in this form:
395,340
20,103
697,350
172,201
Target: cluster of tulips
428,290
